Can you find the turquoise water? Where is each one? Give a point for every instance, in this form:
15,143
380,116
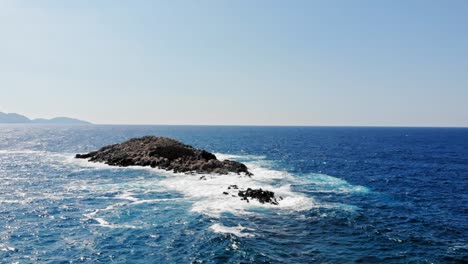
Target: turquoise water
369,195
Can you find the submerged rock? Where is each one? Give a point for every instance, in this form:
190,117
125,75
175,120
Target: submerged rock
163,153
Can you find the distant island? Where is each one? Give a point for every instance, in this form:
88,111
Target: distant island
13,118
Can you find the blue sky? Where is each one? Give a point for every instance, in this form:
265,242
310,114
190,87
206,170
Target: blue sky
377,63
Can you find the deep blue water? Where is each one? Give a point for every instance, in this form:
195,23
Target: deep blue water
368,195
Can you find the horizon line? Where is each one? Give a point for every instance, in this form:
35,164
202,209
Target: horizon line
237,125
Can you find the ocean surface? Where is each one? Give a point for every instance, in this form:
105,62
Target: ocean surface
350,195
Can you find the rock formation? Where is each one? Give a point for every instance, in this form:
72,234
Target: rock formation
170,154
163,153
259,194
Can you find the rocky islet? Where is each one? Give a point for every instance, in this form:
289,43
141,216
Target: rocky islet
169,154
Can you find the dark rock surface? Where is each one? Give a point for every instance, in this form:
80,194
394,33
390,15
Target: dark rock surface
258,194
163,153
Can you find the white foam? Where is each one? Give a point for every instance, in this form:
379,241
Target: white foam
4,247
84,163
328,184
223,156
236,230
209,199
262,173
126,195
207,193
104,223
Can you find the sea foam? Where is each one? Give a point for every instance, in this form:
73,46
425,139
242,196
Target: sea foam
236,230
207,192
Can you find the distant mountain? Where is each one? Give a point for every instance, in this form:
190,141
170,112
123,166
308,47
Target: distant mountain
60,120
12,118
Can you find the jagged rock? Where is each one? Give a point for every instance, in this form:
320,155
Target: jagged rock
163,153
259,194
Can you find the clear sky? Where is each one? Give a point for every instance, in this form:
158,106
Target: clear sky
239,62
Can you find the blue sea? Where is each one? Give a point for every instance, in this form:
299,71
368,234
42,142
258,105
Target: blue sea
350,195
